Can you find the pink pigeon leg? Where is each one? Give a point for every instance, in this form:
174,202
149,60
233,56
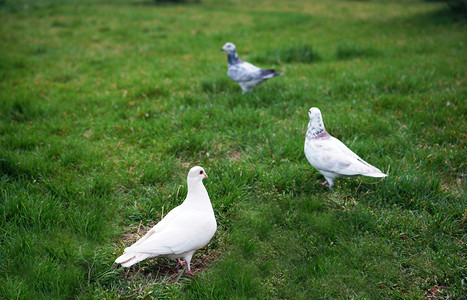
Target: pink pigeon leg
184,263
188,269
180,263
187,262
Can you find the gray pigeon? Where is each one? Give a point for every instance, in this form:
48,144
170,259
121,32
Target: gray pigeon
245,74
185,229
330,156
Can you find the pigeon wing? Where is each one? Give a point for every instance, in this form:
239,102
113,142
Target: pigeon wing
332,155
244,71
187,232
159,226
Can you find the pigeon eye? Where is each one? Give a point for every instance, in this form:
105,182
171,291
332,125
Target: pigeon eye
201,172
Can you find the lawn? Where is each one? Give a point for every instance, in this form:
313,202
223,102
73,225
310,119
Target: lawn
105,105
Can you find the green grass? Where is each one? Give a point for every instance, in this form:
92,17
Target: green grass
105,105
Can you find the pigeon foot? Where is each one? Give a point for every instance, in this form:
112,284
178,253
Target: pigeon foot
180,263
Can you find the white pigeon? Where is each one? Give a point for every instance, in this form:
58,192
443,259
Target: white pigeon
245,74
185,229
330,156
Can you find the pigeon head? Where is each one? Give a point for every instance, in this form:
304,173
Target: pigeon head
229,47
197,173
232,56
315,126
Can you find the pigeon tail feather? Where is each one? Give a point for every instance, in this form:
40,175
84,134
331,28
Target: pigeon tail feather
269,73
136,259
378,175
125,257
129,259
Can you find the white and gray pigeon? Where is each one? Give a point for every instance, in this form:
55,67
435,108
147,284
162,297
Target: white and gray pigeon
330,156
185,229
245,74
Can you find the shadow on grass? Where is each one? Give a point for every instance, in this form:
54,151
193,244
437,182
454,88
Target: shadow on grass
443,16
219,86
294,54
22,107
350,51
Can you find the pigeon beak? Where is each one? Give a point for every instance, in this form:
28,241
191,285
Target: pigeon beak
205,175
